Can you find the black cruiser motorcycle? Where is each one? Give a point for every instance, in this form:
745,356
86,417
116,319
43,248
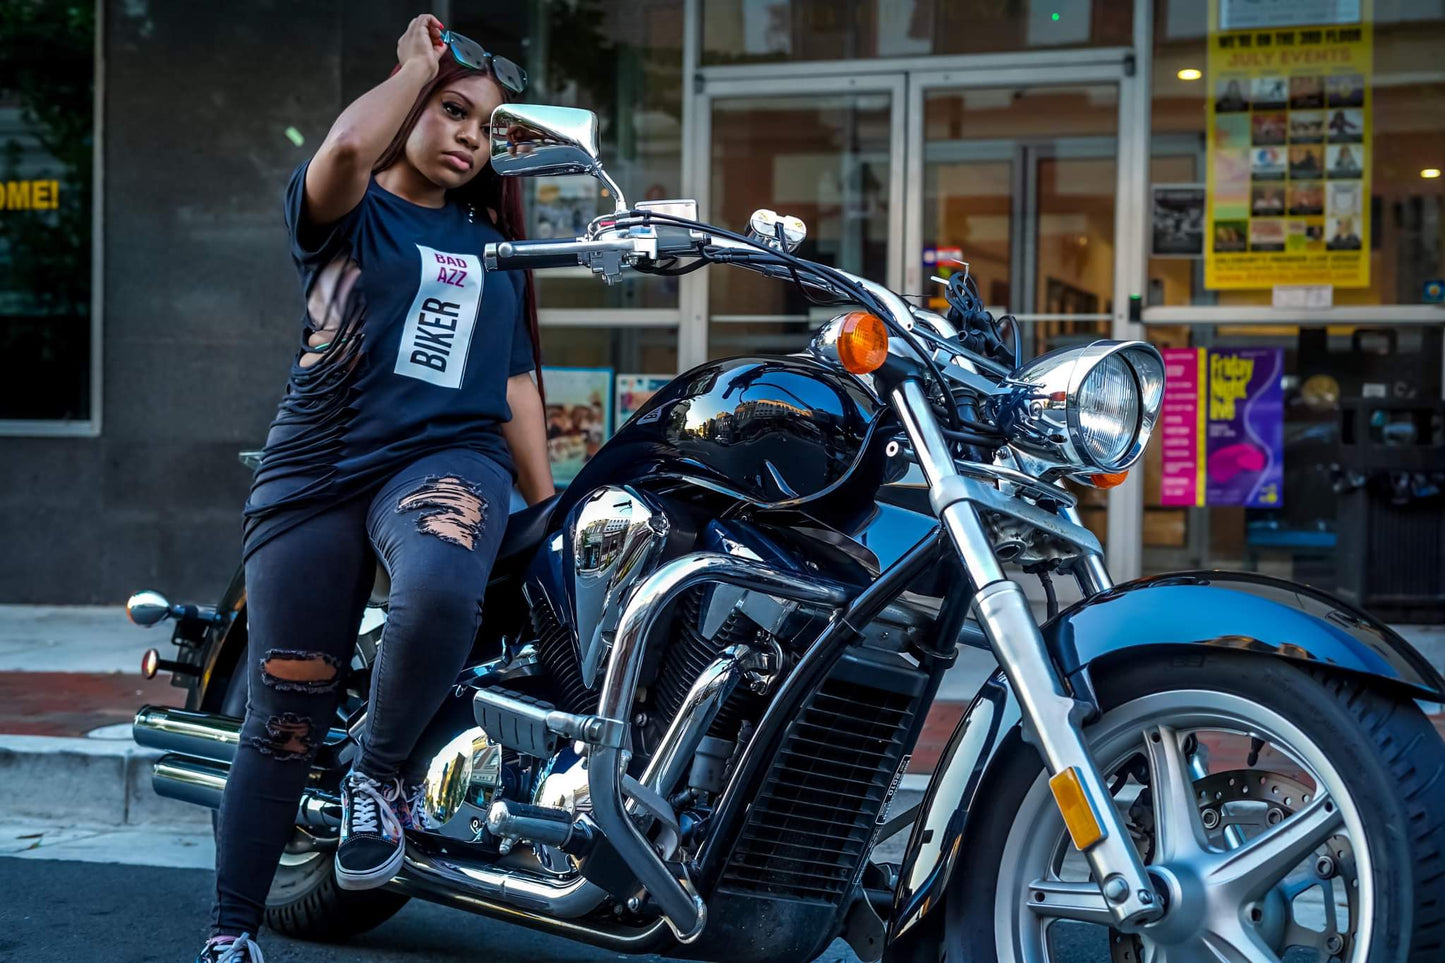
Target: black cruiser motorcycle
705,664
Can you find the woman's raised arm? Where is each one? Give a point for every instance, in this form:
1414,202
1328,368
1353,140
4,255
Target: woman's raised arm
338,175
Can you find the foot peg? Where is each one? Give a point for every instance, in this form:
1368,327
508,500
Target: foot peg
532,726
538,824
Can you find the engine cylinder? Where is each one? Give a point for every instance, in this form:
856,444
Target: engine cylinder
689,652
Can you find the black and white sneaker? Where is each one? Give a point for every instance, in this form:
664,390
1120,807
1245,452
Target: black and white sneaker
372,840
224,949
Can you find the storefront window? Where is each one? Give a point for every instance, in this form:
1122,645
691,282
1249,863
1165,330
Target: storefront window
1343,477
623,349
823,157
622,60
1311,452
1405,206
758,31
46,144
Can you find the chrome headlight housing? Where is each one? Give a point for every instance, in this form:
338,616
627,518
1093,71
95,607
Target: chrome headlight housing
1088,409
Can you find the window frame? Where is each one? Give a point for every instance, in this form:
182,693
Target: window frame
89,427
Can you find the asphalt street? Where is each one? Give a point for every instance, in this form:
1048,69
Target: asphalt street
58,911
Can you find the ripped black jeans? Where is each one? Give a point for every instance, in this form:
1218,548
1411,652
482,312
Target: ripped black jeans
435,526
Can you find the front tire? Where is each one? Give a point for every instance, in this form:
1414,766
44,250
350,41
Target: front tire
305,901
1376,758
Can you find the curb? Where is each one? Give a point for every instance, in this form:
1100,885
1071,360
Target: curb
101,782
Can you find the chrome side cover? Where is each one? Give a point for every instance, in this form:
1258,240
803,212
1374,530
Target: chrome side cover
461,782
614,538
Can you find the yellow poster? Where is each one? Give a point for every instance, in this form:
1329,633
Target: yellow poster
1289,155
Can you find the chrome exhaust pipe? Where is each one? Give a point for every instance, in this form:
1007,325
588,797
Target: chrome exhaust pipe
196,781
468,885
202,782
431,876
549,907
198,734
704,701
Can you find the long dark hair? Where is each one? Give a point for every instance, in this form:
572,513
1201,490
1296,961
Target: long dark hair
487,194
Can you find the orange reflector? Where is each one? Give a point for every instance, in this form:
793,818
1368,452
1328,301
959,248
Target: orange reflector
1078,815
1108,479
863,342
150,663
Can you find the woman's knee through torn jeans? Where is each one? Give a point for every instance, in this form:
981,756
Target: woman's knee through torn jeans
435,526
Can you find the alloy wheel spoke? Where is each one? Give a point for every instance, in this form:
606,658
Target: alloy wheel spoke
1268,858
1061,900
1178,830
1240,944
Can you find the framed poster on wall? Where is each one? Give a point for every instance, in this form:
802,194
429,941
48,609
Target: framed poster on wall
1288,146
634,391
579,417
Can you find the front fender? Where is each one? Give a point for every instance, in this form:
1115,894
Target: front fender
1244,611
1236,610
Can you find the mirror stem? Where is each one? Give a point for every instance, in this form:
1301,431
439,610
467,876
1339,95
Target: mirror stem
611,185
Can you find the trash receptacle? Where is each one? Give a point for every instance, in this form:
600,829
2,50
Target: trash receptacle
1391,520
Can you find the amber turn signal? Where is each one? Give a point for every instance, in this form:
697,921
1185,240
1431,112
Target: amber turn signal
862,342
1108,479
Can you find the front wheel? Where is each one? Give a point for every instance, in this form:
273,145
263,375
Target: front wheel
1286,815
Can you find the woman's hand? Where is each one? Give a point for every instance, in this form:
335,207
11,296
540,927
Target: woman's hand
421,43
338,176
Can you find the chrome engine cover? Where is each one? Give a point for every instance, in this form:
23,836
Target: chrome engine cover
461,783
613,539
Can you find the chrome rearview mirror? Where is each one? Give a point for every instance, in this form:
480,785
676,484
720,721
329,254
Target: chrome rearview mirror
538,140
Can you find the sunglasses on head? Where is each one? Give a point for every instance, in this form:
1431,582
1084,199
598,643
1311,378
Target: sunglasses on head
469,53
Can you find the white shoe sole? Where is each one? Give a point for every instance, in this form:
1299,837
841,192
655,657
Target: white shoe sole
373,878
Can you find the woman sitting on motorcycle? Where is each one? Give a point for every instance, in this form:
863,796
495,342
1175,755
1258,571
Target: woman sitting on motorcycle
410,411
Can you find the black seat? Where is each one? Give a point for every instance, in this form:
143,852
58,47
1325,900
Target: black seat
525,531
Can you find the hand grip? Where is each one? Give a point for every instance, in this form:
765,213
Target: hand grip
533,255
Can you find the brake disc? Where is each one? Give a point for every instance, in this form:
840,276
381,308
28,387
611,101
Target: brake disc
1237,806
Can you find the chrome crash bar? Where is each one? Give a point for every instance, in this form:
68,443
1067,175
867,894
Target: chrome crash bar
681,906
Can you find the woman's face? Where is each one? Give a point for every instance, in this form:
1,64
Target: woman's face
449,145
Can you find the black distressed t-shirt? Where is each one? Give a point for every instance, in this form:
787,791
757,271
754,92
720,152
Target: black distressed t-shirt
421,344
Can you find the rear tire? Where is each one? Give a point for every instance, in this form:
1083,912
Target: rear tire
1387,756
305,901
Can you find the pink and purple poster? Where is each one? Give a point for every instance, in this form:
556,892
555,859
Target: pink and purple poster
1221,427
1244,427
1181,479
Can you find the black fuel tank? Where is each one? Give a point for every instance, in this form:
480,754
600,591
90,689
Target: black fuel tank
777,431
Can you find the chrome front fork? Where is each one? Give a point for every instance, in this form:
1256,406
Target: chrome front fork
1052,716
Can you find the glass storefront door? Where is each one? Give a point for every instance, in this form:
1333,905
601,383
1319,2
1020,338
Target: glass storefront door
1013,169
829,151
1019,183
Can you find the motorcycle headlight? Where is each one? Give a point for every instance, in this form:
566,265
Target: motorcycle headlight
1091,408
1107,411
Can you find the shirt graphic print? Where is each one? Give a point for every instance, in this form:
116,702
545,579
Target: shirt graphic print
442,318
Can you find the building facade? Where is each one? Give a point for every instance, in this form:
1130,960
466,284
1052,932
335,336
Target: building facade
1260,197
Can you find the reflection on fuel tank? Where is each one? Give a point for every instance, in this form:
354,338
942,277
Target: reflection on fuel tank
775,427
